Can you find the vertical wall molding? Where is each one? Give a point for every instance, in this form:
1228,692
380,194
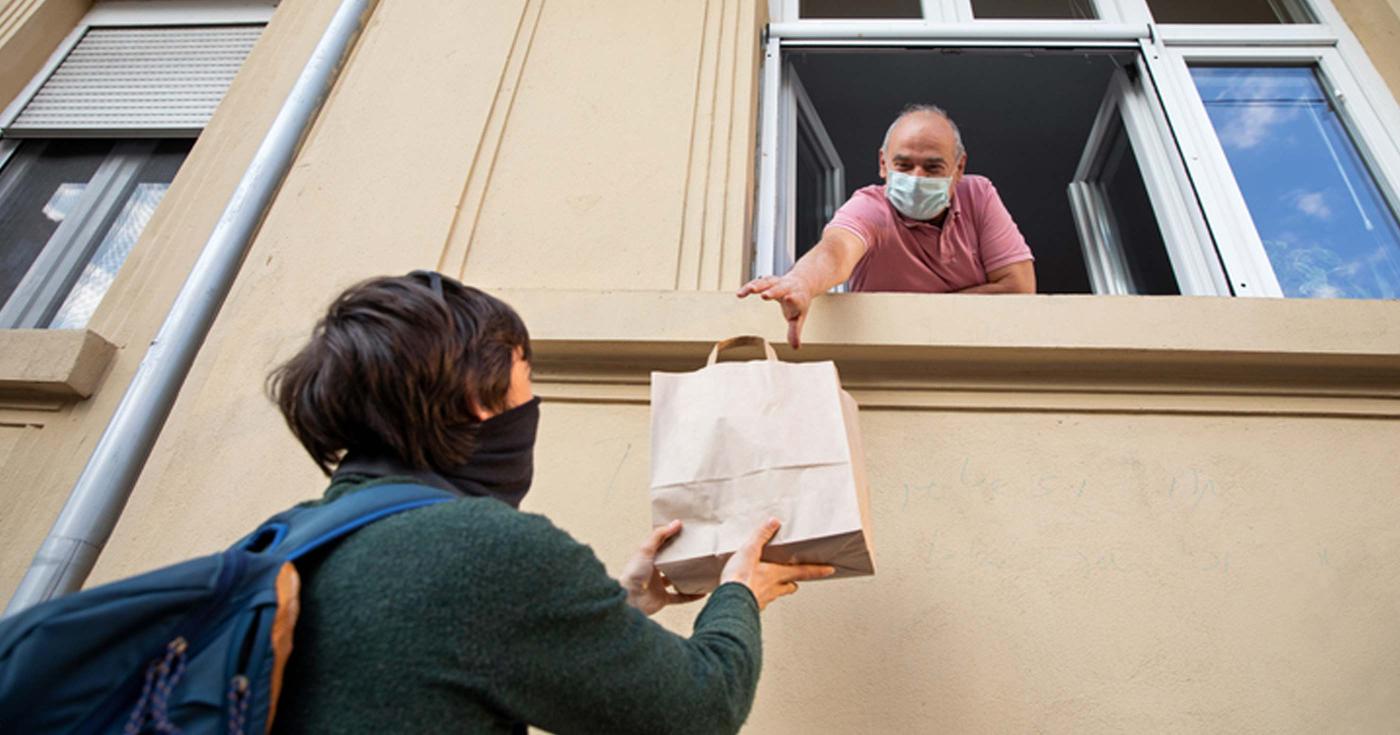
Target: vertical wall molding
12,14
702,124
463,228
715,232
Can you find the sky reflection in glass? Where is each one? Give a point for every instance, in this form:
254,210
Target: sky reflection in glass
101,269
1326,228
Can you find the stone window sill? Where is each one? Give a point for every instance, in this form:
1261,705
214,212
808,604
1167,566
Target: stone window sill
49,364
964,352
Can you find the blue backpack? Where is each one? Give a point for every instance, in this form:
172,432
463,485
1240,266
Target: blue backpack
198,647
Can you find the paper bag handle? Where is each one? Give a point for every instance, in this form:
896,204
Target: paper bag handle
747,339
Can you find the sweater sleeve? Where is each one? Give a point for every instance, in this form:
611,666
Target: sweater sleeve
569,655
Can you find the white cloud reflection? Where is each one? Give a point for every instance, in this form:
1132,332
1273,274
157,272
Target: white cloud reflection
1247,110
1313,204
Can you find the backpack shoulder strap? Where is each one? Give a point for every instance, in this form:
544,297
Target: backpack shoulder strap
301,530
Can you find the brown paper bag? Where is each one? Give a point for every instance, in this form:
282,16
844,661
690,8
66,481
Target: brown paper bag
735,443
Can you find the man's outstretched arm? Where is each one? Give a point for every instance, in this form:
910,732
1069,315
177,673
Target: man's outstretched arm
828,263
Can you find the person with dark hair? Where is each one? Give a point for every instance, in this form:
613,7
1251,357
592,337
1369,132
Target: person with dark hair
470,614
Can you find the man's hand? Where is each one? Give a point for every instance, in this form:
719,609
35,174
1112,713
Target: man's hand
791,294
828,263
645,585
768,581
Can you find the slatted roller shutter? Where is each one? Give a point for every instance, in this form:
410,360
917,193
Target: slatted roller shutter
134,81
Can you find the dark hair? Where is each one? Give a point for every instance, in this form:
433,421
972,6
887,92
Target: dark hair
393,370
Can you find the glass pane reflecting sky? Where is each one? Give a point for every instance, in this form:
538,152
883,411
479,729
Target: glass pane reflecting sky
1327,230
101,270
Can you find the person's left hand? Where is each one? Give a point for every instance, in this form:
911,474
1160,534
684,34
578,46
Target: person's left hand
646,586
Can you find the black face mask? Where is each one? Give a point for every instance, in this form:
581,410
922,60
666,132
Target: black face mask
504,461
501,467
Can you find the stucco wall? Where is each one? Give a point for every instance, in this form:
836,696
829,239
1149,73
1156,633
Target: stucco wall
30,30
1063,572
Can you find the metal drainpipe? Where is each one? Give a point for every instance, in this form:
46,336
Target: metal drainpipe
69,552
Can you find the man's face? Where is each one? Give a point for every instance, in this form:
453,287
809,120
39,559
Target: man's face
923,144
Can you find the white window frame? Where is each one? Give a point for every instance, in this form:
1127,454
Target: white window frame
1248,263
1199,205
804,114
1188,243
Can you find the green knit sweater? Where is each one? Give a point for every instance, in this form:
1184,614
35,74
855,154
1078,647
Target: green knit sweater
470,616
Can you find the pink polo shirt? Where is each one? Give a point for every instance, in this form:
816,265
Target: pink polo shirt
902,254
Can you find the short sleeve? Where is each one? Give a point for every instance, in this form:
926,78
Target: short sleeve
861,215
1000,241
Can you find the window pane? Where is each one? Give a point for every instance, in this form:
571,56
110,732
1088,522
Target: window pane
1228,11
1325,225
101,269
1066,9
39,188
861,9
1134,220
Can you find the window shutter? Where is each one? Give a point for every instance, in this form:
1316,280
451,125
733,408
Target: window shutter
133,81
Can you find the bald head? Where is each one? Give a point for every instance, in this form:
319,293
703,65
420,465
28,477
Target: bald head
924,143
923,113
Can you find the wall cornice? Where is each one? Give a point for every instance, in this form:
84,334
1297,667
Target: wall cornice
1008,353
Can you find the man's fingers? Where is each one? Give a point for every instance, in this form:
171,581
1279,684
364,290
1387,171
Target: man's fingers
775,292
795,332
659,536
756,285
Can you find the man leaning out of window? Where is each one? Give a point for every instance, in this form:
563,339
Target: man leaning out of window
930,228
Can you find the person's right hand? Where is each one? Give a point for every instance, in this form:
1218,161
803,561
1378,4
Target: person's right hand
768,581
791,294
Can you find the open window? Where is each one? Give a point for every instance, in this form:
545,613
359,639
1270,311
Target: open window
817,178
1035,121
1147,147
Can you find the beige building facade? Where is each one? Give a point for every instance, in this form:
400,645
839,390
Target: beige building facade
1092,512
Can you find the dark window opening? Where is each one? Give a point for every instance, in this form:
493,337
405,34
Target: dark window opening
1228,11
861,9
1033,9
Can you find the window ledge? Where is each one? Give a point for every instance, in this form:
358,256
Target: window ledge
1154,353
66,364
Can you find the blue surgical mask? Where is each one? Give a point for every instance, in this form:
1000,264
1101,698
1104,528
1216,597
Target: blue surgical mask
918,197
